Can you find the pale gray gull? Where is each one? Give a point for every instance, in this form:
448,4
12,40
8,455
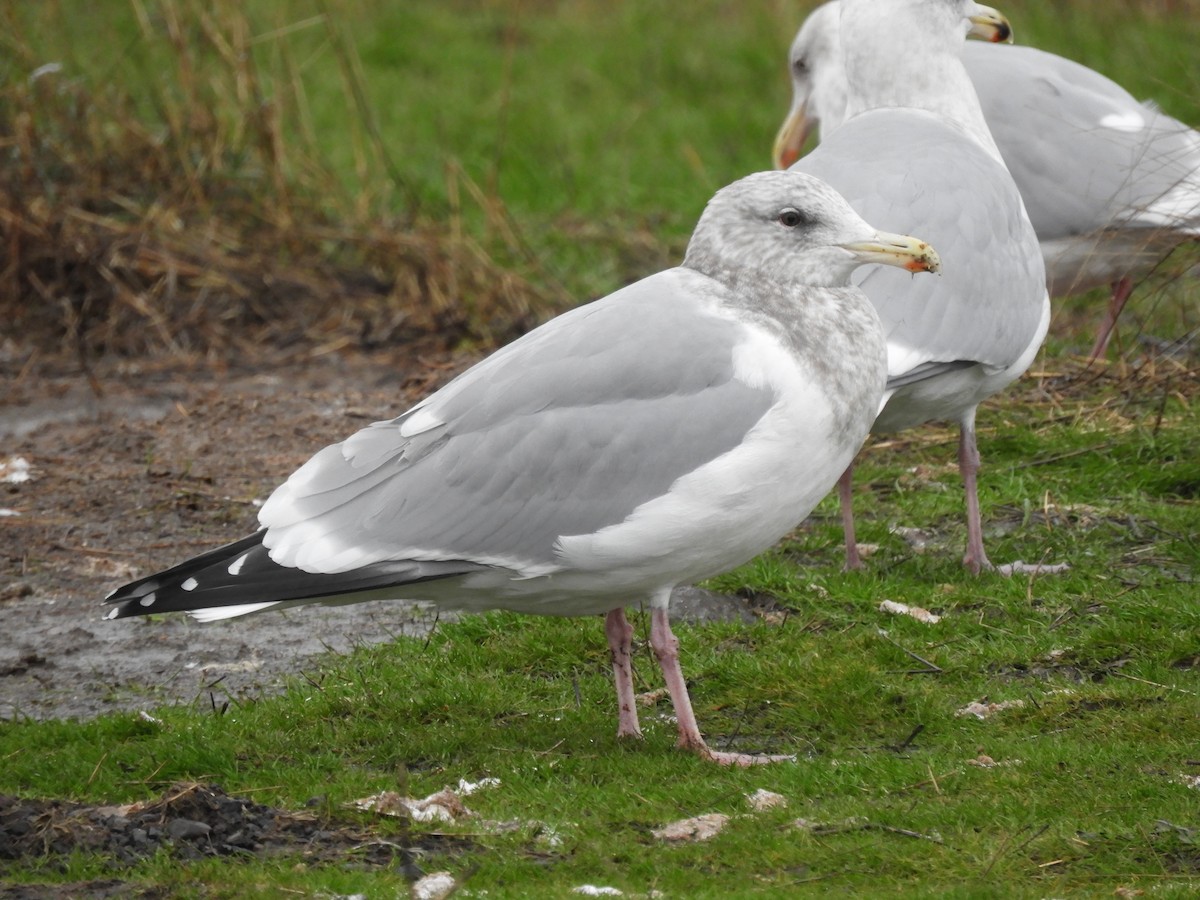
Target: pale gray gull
663,434
1111,185
912,146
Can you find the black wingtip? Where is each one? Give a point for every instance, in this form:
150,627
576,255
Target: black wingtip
150,594
243,574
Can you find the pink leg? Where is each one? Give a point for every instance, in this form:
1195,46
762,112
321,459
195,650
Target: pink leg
666,648
620,639
968,464
1120,296
846,496
976,559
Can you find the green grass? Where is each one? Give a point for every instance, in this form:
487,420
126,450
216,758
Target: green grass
601,129
1088,794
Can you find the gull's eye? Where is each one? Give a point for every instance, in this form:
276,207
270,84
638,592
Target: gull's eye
800,65
792,218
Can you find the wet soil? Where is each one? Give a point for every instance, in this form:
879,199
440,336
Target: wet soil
139,467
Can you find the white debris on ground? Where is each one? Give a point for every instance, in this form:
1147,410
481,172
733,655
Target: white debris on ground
434,886
650,698
443,806
982,710
762,800
1192,781
903,609
446,806
984,761
591,890
467,788
693,830
15,470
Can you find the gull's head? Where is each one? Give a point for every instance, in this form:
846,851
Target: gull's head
794,228
918,26
818,87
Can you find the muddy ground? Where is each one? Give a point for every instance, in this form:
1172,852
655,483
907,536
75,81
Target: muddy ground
139,467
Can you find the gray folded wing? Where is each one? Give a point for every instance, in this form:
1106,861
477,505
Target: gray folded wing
906,171
563,432
1084,152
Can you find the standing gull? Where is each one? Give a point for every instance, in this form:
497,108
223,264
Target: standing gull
913,147
661,435
1111,185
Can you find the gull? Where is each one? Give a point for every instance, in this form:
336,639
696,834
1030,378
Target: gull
663,434
912,145
1111,185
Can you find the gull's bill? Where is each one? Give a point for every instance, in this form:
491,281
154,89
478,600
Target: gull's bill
900,250
990,25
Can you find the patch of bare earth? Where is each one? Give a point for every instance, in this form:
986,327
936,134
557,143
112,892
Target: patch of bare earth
162,464
189,822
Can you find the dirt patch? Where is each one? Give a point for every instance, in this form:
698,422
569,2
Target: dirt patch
162,464
193,821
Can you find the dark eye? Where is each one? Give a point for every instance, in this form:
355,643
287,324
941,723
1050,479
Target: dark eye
792,218
800,65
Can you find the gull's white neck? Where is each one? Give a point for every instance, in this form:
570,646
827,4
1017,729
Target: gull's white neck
890,62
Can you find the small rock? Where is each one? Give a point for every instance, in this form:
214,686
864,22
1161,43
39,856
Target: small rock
182,829
698,828
982,710
903,609
434,886
762,800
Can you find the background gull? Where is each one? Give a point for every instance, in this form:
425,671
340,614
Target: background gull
913,147
1111,185
663,434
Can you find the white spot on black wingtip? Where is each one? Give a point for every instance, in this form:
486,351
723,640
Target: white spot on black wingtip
111,594
236,565
190,585
148,600
112,613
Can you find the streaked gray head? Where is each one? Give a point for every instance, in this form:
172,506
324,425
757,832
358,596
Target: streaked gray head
788,225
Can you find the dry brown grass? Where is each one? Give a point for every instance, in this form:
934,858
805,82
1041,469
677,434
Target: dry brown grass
209,224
